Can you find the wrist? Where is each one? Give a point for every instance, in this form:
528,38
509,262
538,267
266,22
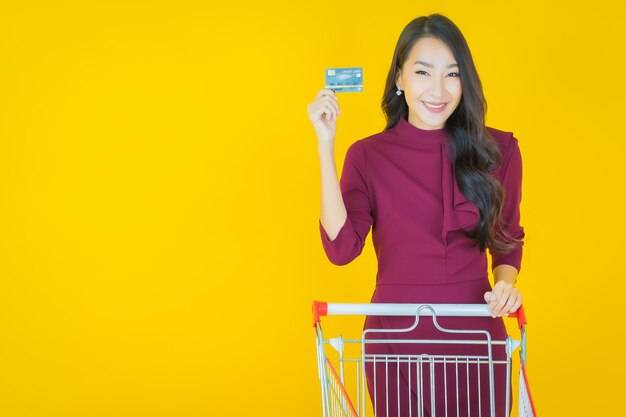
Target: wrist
505,273
326,149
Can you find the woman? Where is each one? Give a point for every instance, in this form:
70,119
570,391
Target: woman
438,188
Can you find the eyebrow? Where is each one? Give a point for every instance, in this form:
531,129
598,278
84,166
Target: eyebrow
426,64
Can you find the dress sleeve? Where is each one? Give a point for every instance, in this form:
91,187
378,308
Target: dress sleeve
348,244
511,180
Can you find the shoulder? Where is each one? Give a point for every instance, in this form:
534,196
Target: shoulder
375,139
358,150
509,149
507,142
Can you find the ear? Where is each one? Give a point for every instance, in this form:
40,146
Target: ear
399,79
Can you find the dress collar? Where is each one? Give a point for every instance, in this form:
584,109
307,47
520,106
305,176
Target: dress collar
409,132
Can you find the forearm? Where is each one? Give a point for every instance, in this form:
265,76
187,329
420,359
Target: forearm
506,273
333,212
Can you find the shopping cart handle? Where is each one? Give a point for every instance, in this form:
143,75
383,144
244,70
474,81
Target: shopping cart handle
321,308
520,315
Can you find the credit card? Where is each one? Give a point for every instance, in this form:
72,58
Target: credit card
344,80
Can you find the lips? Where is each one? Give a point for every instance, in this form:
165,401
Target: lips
434,107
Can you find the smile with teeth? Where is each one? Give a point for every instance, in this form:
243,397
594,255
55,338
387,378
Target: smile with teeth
432,106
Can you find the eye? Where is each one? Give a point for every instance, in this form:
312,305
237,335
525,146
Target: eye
421,72
454,74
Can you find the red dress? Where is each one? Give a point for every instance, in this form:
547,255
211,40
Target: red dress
401,184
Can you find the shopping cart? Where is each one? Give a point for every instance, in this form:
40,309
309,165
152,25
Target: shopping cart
342,364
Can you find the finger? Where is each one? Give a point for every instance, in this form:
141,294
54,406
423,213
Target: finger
332,112
326,92
493,299
325,113
509,305
487,297
499,301
332,101
508,299
335,104
518,304
322,110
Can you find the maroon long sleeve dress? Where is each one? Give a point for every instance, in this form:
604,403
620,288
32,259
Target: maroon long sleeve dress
401,183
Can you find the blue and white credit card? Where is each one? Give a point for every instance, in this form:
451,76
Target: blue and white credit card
344,80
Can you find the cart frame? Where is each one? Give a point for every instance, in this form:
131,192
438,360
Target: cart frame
335,398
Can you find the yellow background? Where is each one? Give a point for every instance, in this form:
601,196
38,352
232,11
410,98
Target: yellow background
159,196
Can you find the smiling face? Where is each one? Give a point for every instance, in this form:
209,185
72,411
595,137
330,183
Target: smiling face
431,83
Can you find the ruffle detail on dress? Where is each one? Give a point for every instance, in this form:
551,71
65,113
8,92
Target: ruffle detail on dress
459,213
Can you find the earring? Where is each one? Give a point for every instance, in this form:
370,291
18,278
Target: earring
399,92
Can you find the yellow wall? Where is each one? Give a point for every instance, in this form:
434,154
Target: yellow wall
159,187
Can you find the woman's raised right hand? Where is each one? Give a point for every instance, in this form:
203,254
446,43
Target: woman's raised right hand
323,113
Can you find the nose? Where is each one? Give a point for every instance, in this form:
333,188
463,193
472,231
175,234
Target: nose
436,87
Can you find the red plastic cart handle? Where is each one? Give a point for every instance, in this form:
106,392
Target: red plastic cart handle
520,315
320,308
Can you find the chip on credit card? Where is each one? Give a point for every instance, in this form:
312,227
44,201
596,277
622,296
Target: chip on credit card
344,80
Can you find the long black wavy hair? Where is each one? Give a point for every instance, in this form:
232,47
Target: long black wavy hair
474,152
